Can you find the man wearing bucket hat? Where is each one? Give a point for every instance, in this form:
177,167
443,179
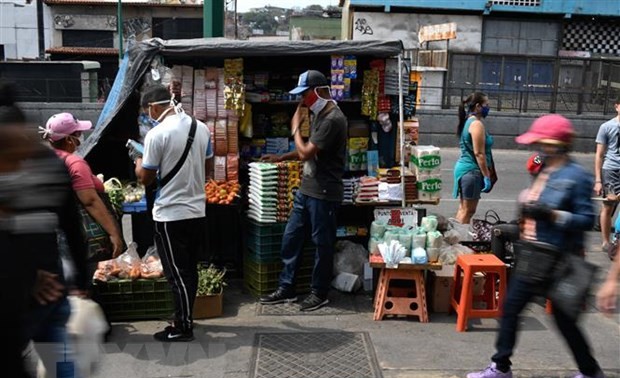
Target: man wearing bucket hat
320,194
556,210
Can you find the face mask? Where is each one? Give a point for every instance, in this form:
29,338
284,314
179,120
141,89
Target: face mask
484,112
315,103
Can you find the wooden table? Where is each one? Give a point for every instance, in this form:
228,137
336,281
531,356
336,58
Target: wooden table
399,301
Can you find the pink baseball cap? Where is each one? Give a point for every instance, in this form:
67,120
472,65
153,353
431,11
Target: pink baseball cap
550,129
62,125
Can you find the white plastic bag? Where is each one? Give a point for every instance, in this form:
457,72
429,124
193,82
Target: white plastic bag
87,326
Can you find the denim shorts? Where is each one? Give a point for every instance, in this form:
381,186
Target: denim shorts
470,185
611,181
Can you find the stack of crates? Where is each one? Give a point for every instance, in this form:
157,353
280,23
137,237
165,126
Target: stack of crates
262,263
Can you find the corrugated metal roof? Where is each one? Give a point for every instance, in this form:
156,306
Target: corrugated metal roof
83,50
131,3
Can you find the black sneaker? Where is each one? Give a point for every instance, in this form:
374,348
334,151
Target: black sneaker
174,334
279,296
313,302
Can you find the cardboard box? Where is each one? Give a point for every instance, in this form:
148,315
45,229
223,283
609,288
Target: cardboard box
440,284
440,298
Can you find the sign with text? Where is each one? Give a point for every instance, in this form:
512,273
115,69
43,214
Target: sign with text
403,216
437,32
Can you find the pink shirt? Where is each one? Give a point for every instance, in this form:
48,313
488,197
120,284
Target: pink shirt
81,175
528,227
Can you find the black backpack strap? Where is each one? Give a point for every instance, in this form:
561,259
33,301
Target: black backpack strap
188,146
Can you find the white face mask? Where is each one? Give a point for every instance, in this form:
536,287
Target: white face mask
320,102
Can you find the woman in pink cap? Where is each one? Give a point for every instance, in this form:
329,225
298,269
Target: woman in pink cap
555,212
64,132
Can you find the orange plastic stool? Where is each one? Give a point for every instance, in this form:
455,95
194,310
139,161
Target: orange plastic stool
401,301
462,291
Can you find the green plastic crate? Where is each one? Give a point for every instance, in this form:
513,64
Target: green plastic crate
261,229
271,272
270,254
258,289
135,300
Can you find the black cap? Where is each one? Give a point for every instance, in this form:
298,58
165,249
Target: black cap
309,79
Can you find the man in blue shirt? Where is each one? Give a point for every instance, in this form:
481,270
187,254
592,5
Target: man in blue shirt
607,172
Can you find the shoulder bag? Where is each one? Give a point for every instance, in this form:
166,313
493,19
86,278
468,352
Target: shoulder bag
573,278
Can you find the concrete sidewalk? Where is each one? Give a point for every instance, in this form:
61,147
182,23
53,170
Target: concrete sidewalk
404,348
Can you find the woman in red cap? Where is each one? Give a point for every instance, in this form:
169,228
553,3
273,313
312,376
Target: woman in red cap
555,210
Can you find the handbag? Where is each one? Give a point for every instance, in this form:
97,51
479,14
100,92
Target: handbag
493,173
573,278
98,243
481,230
535,263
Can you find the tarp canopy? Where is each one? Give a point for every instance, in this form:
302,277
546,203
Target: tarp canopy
139,57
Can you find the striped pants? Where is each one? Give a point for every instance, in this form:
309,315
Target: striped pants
179,243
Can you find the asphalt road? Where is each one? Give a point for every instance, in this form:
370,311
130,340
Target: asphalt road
513,178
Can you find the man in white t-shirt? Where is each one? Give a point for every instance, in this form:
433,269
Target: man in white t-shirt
607,172
179,209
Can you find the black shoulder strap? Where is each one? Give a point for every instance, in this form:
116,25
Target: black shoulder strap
188,146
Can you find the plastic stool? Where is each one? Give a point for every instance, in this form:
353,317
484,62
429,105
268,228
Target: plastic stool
461,293
401,301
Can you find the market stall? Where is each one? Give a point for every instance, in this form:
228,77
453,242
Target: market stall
240,90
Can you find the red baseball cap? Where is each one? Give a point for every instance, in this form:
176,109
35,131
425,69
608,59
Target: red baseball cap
549,129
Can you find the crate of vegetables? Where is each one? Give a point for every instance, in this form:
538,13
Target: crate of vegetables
222,192
133,288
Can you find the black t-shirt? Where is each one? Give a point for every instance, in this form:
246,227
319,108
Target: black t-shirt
322,177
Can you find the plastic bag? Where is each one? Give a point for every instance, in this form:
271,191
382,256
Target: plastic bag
87,326
350,258
429,223
434,239
418,256
125,266
449,253
462,229
151,264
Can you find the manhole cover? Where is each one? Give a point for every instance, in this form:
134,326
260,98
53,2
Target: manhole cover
314,355
339,304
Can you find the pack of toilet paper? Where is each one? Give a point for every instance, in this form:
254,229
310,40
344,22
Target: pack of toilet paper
425,160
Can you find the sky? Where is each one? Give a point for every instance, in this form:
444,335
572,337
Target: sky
245,5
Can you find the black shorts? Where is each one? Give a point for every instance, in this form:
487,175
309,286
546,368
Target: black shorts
611,181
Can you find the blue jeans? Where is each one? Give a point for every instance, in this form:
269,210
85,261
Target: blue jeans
520,293
320,216
46,326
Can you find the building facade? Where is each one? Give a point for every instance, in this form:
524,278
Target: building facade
529,55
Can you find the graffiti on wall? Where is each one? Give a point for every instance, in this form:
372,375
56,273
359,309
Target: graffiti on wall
135,26
362,26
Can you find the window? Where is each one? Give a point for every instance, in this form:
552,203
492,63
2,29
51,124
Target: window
517,3
87,38
177,28
1,53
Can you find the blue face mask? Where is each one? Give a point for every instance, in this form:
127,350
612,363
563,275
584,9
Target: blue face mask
484,112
